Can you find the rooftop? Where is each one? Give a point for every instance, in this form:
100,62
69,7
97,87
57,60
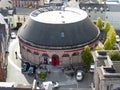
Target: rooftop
109,68
99,7
60,16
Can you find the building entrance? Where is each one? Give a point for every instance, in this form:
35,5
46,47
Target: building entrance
55,60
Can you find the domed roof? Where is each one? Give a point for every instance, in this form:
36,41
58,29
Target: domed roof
55,29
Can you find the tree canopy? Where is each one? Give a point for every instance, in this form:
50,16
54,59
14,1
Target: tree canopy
99,23
87,56
106,27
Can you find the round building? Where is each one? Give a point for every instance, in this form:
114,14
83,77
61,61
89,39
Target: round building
56,36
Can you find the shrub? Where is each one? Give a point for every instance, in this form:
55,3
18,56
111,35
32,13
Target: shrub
42,75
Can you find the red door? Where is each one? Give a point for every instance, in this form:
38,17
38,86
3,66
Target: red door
55,60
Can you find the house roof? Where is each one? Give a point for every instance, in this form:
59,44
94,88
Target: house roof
106,7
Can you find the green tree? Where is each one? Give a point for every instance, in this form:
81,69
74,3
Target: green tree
99,23
107,44
112,35
98,47
87,56
114,55
106,27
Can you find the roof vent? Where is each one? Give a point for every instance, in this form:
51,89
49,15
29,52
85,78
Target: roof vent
63,21
62,16
60,12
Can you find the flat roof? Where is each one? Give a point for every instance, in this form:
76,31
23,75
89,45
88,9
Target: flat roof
61,16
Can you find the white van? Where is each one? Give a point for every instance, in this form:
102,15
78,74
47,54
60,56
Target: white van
49,85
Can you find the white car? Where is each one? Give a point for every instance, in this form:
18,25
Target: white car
117,38
51,84
92,68
13,35
79,75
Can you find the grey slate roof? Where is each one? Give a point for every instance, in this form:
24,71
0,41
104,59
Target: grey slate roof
24,10
62,35
59,35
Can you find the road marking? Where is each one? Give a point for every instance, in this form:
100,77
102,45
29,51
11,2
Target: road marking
13,64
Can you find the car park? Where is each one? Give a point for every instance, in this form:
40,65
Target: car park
32,70
25,66
79,75
13,35
92,68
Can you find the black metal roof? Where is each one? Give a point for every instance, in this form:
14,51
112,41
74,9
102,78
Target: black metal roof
59,35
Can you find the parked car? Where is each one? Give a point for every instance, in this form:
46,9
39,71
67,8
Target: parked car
13,35
79,75
117,38
25,66
31,70
52,83
92,68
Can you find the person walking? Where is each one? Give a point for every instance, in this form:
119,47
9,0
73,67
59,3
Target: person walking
16,55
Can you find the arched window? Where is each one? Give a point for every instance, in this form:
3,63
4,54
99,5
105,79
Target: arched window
75,54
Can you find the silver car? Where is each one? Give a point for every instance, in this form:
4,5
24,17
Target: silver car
79,75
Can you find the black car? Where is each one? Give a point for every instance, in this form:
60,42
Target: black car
25,66
31,70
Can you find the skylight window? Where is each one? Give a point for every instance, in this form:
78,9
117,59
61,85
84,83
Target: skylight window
62,34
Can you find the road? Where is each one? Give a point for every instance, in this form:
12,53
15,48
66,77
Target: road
14,66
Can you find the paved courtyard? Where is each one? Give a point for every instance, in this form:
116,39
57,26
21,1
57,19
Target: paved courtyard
14,72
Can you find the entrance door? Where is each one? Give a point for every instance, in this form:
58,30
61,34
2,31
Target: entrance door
55,60
19,25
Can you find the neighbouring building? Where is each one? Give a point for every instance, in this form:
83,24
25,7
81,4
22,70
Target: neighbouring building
21,15
13,86
56,36
4,34
108,12
107,72
4,4
28,3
